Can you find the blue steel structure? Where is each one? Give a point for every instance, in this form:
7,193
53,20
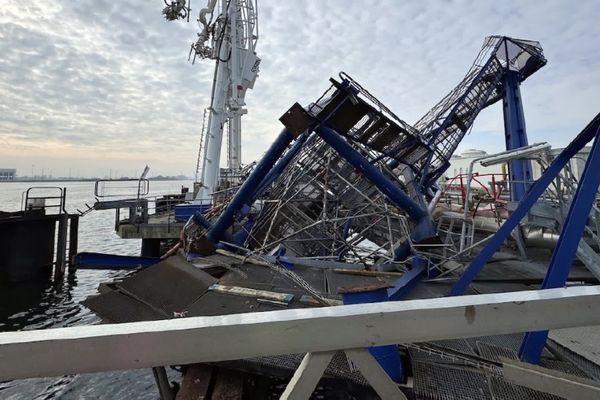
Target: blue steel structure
534,193
515,135
349,147
564,252
345,158
112,262
392,161
248,188
444,126
362,149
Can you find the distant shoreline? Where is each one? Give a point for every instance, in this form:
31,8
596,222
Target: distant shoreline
154,178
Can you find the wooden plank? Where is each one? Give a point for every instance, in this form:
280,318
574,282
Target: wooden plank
196,382
254,293
370,369
311,301
364,272
550,381
307,376
179,341
245,259
229,385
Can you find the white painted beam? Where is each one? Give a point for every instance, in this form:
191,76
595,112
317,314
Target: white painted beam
307,376
545,380
55,352
370,369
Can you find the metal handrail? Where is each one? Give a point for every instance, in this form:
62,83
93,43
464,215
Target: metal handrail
26,197
143,187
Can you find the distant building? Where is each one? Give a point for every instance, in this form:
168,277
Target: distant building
459,164
8,174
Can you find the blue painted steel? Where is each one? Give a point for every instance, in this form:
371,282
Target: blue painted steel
383,183
407,282
424,228
183,212
372,296
248,189
387,356
112,261
203,222
403,251
566,247
515,135
241,235
427,178
280,166
528,201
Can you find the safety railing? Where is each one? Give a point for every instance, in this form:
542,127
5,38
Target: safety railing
458,191
291,331
129,187
40,199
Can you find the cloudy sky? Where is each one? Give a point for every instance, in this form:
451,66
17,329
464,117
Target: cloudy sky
94,85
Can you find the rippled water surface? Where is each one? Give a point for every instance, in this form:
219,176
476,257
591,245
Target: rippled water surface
50,304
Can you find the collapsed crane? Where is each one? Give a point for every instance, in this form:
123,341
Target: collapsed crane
347,180
341,209
356,179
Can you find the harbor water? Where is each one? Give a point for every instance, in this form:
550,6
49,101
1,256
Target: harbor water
52,304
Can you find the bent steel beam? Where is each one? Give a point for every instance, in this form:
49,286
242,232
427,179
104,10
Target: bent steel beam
248,188
383,183
280,166
424,225
528,201
566,247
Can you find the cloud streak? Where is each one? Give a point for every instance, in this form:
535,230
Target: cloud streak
108,81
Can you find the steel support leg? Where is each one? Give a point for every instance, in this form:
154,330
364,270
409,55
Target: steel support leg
530,198
515,135
566,247
424,224
165,390
248,188
384,184
280,166
402,286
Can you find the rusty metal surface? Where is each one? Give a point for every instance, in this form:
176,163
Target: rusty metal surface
170,285
196,382
369,287
229,385
296,119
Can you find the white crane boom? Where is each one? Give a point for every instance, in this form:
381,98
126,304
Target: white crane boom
231,41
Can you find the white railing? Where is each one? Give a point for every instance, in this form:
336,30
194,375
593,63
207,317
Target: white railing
315,331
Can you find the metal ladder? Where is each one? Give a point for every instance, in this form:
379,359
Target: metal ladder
200,161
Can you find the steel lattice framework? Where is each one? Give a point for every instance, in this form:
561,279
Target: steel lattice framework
320,205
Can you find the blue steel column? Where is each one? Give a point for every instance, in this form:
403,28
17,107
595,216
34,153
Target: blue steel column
515,135
280,166
424,226
530,198
249,186
387,187
566,247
